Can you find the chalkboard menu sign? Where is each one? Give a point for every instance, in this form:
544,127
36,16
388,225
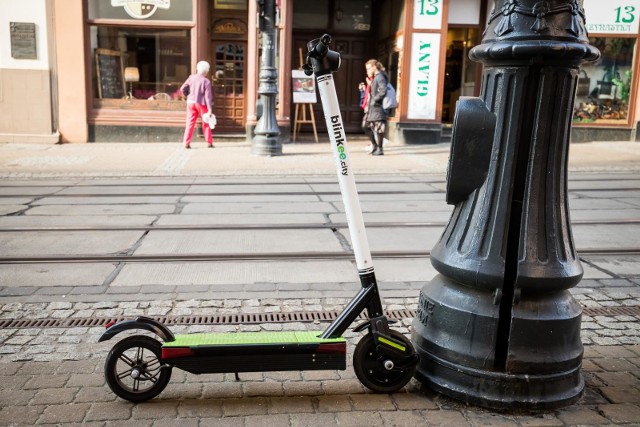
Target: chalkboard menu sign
110,73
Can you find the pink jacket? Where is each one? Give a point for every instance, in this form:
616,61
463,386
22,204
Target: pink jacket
199,90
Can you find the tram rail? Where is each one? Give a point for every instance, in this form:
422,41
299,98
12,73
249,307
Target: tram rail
290,226
270,256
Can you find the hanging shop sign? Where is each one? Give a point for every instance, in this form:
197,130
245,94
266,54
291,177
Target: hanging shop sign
141,9
152,10
427,14
612,16
423,84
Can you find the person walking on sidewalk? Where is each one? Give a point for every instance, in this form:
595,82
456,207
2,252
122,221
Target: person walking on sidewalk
364,89
197,89
374,116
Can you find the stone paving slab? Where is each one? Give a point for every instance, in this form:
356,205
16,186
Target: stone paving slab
613,194
255,276
67,242
400,238
586,182
15,200
238,241
595,204
241,219
436,198
113,200
365,185
43,221
51,275
618,265
264,198
606,236
633,202
603,214
82,210
28,190
257,188
260,208
423,206
410,217
11,209
123,188
234,274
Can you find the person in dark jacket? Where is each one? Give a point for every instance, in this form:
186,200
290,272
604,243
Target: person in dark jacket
375,116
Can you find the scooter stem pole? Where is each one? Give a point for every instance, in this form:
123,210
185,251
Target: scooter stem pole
322,61
346,179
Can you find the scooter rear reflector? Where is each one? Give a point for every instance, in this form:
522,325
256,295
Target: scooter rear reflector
172,353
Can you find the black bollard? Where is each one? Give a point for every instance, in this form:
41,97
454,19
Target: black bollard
498,327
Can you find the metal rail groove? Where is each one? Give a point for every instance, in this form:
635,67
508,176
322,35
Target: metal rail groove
278,193
302,180
255,318
272,256
271,226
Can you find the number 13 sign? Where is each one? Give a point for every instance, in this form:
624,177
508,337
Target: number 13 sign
612,16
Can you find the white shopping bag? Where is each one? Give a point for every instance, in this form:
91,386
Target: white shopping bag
210,119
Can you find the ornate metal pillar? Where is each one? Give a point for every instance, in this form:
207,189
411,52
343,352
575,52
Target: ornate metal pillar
498,327
266,141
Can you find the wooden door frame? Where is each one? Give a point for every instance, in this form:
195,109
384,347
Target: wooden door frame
231,27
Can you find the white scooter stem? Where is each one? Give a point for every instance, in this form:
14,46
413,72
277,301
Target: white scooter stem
346,179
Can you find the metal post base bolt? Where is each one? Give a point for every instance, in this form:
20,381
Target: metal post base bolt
498,327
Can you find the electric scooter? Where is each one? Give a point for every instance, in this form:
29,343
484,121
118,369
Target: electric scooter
139,367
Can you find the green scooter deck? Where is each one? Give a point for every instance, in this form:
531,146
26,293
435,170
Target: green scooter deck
254,352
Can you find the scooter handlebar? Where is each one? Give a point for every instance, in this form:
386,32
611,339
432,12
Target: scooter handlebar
320,59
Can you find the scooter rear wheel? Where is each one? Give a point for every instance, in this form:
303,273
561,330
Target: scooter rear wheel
134,369
369,366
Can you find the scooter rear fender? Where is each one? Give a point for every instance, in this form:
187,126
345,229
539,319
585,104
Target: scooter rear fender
139,323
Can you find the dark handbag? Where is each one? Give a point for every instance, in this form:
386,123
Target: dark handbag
583,84
186,90
605,87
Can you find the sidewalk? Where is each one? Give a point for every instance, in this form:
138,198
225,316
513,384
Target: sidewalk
52,373
235,159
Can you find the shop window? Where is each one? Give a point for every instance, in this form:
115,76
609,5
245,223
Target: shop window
310,14
604,92
135,66
354,15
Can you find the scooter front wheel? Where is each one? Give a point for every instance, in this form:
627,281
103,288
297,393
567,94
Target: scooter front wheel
134,370
377,371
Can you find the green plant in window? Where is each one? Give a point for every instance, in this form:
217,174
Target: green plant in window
624,86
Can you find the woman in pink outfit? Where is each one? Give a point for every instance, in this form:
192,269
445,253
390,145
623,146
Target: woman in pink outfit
197,89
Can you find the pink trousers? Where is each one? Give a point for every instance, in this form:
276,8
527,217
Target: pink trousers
194,111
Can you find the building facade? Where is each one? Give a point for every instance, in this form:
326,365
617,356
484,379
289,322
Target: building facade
110,70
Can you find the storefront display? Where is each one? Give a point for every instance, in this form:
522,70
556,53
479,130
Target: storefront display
604,87
607,90
139,55
158,61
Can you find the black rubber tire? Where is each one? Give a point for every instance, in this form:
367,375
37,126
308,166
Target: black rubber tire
369,368
143,354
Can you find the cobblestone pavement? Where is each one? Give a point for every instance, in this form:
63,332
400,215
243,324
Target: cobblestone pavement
54,375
